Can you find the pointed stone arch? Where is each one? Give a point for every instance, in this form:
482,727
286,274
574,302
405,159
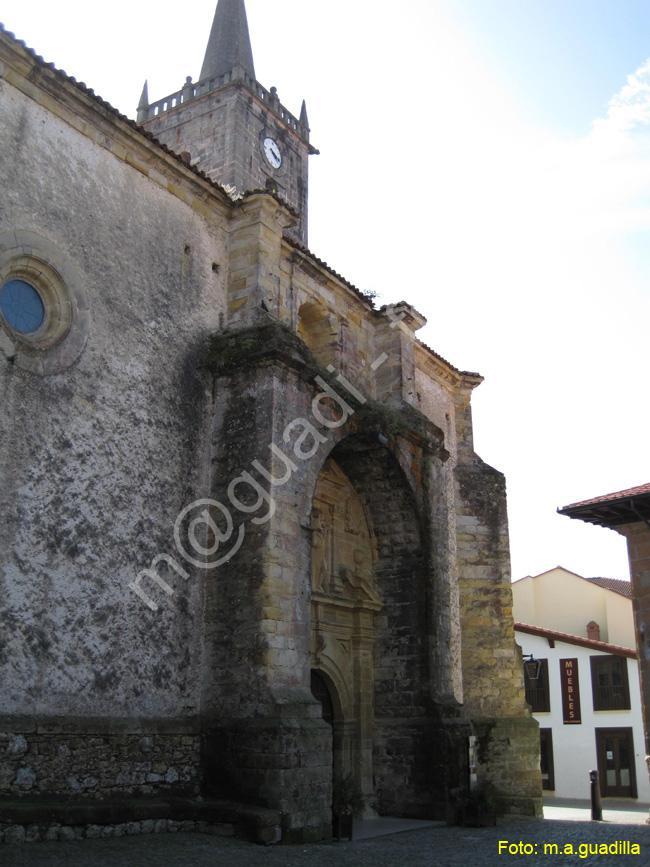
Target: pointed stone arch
343,605
404,739
372,634
401,572
319,330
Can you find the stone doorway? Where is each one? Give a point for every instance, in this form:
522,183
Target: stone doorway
321,692
331,713
343,606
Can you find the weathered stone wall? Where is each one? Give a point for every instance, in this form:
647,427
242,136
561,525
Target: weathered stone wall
97,758
265,740
98,460
50,831
338,325
508,760
493,677
494,691
418,729
443,396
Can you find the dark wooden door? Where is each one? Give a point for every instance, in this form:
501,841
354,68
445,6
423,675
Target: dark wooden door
615,748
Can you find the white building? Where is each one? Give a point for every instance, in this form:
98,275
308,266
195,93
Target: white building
587,699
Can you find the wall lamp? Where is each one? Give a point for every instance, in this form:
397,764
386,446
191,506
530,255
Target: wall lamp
532,666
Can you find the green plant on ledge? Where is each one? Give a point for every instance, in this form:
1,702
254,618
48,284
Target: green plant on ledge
347,799
480,806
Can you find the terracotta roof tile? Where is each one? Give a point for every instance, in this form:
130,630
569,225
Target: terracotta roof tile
610,498
624,588
613,510
578,640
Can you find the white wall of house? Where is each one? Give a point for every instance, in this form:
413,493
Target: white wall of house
574,746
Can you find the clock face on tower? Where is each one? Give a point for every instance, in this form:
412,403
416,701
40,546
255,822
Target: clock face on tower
272,152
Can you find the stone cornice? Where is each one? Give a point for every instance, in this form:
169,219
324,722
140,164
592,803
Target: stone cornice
442,371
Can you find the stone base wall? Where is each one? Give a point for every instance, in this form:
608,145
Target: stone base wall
508,759
53,831
88,758
420,768
279,763
32,821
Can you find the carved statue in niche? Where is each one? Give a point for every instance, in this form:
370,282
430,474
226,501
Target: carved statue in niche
360,579
342,553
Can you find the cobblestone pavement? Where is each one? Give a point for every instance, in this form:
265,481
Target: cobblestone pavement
430,847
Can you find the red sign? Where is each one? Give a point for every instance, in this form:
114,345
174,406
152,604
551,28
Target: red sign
570,691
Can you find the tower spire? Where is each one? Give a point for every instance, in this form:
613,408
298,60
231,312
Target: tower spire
229,42
304,120
143,105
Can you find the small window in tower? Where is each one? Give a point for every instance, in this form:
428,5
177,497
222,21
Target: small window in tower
21,306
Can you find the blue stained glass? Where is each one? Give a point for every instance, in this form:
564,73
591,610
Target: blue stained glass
21,306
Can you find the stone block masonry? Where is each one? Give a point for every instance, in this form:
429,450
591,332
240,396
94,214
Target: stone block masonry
223,130
494,691
97,758
508,759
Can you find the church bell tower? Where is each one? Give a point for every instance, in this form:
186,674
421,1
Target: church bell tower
230,126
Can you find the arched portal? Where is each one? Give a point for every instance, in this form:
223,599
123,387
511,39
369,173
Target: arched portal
343,605
375,617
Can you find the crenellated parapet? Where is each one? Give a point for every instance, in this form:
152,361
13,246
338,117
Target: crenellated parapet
238,75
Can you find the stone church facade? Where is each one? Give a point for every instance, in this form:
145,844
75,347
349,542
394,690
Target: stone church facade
235,494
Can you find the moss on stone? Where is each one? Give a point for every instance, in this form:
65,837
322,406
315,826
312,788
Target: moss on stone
249,348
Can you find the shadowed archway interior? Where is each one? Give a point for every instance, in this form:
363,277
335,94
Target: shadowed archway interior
370,623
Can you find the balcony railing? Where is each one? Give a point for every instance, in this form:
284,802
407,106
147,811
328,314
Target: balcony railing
611,698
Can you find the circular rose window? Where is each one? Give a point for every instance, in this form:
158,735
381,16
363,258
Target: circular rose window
44,314
21,306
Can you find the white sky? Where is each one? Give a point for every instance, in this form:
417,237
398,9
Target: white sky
446,179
